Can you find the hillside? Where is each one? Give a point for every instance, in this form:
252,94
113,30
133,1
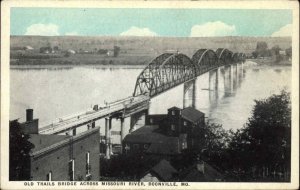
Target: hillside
147,47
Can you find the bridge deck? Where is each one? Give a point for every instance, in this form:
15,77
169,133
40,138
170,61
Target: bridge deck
92,115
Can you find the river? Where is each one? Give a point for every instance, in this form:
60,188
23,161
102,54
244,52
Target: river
55,92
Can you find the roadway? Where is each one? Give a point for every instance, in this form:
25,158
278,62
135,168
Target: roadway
64,124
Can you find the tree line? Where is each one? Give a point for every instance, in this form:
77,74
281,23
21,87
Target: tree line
260,150
262,50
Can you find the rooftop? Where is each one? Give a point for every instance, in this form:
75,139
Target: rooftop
164,170
174,108
144,134
192,114
159,143
167,146
44,142
192,174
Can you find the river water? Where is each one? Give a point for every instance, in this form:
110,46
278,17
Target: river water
54,92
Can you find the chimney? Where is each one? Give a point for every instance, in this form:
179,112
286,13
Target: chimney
29,115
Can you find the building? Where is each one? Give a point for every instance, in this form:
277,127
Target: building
62,157
148,139
163,171
167,134
200,172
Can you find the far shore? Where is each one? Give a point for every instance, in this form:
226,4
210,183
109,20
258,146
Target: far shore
271,62
97,66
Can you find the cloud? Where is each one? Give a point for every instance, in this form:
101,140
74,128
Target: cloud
284,31
217,28
71,34
136,31
42,30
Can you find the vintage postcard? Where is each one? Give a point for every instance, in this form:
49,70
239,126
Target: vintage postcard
149,95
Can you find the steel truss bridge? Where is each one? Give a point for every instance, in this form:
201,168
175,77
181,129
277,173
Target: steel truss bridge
169,70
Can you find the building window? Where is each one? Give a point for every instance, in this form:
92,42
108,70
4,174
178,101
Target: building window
146,146
135,146
173,127
88,166
184,123
127,148
49,176
173,112
71,169
151,121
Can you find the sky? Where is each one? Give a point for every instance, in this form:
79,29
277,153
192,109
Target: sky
150,22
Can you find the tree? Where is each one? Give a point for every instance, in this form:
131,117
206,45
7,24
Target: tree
276,49
255,54
214,140
288,52
116,51
265,141
210,142
261,46
262,49
19,149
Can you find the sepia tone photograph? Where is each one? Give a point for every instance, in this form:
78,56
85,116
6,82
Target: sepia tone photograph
150,97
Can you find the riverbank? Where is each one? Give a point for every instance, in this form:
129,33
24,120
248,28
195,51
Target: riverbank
271,62
86,59
66,67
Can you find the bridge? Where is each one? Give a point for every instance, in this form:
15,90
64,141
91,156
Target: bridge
169,70
163,73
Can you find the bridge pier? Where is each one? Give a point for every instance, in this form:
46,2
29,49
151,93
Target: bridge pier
231,79
189,93
122,133
242,70
213,85
234,76
138,120
228,80
108,144
237,76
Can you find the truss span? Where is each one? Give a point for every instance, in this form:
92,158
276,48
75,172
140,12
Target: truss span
169,70
204,59
224,56
163,73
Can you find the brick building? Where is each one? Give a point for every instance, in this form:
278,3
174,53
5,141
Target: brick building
167,134
62,157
